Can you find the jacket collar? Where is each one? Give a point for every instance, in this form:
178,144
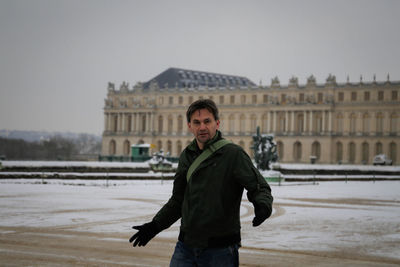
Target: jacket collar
194,147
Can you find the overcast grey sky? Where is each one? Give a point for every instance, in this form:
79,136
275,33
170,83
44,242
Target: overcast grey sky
57,56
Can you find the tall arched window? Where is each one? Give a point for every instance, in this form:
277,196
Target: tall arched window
316,149
264,123
127,148
365,152
281,122
393,152
318,122
366,123
339,123
160,124
232,123
115,123
352,152
339,152
300,123
279,146
180,124
253,123
352,123
170,124
379,123
129,124
378,148
297,151
143,123
169,147
178,147
394,123
242,123
112,147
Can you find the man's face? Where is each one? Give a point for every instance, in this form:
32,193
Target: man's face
203,126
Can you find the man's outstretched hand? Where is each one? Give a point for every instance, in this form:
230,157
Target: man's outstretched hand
145,233
261,214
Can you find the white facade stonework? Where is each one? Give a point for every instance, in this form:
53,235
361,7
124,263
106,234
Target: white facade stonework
348,123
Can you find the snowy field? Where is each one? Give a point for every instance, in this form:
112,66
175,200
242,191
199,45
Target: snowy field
361,218
103,164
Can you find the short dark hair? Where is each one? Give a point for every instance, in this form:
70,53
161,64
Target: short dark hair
202,104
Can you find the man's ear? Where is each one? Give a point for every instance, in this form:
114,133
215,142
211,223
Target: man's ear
190,127
217,124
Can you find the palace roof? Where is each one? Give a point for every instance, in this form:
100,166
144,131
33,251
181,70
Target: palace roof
183,78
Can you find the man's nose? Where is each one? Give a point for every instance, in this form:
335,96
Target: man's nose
202,125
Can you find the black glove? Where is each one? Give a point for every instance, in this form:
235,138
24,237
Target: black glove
145,232
261,214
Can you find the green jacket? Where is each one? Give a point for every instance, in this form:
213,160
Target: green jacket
209,204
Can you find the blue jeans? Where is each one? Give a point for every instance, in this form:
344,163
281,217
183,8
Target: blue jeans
185,256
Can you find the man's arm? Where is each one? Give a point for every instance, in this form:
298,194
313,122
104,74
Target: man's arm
258,190
167,215
172,210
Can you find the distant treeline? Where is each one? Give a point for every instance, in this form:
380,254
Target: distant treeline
54,148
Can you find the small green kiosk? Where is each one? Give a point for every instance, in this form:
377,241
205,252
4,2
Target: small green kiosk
140,152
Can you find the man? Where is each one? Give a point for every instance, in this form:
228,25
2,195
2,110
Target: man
208,201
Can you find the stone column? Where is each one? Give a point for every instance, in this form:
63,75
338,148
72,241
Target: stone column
372,125
274,121
292,130
123,124
137,118
107,121
346,123
132,129
359,124
329,122
151,122
268,122
165,124
147,119
259,121
305,119
118,122
323,121
134,122
386,123
286,121
311,124
174,125
247,124
237,123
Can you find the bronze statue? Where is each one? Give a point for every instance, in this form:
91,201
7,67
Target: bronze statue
264,150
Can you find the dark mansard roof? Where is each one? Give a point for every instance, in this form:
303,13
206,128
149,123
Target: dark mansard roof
181,78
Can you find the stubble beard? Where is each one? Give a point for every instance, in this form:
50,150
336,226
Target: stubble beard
203,138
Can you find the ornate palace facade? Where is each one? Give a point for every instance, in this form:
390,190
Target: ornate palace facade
348,123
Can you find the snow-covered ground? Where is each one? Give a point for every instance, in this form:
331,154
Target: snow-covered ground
104,164
363,217
89,164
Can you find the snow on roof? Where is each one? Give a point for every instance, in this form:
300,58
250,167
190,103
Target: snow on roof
141,145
